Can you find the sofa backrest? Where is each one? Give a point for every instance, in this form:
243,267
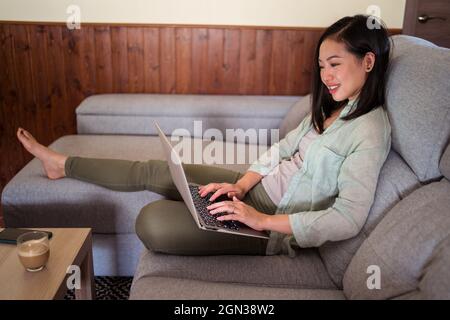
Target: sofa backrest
418,102
408,253
418,105
133,114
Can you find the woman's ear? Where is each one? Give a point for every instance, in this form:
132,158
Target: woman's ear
369,61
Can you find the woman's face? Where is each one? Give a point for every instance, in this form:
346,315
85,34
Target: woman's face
343,73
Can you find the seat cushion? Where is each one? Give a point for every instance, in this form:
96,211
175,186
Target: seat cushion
395,182
306,271
32,200
163,288
409,246
418,103
295,115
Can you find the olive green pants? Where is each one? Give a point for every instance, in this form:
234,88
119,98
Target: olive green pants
167,225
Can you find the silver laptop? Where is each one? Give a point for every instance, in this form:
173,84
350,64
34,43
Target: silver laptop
195,203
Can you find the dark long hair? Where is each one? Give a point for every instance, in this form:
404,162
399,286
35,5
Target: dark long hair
359,39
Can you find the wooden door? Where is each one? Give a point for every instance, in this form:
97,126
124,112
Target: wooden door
428,19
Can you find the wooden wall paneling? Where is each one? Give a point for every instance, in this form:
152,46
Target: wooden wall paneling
247,62
119,52
215,61
136,77
60,122
167,60
151,60
263,61
231,58
199,60
183,59
103,60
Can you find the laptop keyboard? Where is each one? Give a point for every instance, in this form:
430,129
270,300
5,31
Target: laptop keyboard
211,219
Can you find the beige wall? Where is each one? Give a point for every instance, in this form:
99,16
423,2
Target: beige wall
308,13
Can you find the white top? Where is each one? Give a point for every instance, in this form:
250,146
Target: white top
277,181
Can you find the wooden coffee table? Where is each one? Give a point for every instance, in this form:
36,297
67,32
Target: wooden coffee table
68,246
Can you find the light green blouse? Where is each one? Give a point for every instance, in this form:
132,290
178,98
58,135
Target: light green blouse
329,198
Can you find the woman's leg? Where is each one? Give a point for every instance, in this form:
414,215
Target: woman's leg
132,176
152,175
167,226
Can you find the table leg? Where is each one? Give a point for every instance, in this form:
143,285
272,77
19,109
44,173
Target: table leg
87,290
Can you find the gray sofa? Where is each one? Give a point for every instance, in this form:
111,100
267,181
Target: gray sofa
402,252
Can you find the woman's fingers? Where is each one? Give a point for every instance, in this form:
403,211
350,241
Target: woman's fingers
208,188
223,190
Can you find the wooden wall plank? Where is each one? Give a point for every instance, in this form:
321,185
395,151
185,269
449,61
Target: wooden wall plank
39,80
27,113
60,118
247,62
151,60
231,58
199,60
309,47
215,61
73,73
87,61
11,153
183,59
295,61
279,63
136,78
119,52
103,60
167,60
263,61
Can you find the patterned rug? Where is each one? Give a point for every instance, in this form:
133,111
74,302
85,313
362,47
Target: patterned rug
108,288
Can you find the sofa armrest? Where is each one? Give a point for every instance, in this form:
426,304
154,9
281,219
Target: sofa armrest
133,114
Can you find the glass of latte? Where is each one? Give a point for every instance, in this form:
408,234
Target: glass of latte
33,250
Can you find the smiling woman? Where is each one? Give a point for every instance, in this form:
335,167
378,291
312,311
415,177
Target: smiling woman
352,61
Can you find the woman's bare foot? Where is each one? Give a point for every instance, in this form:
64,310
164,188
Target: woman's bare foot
52,161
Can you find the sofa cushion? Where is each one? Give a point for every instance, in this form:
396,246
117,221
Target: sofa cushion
418,102
295,115
444,165
408,247
162,288
395,182
435,283
134,113
306,271
32,200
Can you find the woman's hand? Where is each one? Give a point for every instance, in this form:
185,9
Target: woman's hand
230,189
241,212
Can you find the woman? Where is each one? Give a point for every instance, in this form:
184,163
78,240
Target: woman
321,190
